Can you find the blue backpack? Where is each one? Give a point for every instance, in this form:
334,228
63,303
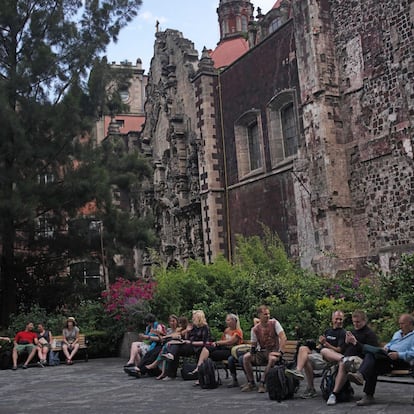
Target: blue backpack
54,358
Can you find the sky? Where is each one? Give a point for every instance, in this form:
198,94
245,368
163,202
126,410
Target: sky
196,19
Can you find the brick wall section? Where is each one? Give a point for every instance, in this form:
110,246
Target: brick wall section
252,82
210,160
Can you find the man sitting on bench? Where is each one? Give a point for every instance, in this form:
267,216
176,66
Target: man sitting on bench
25,341
269,335
395,355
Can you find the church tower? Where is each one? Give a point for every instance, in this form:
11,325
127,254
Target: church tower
234,16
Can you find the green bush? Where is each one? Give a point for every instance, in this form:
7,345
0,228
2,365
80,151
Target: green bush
261,274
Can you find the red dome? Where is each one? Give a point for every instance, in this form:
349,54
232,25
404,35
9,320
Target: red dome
229,50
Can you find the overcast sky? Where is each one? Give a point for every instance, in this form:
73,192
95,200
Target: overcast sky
196,19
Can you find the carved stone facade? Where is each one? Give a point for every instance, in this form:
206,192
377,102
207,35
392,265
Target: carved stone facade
309,133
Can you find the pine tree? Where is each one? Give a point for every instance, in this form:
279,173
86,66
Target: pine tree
46,50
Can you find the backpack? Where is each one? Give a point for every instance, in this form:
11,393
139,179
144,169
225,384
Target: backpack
208,375
328,384
187,371
5,359
279,385
54,358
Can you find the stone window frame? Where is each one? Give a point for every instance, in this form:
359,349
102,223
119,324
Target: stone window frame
275,109
241,134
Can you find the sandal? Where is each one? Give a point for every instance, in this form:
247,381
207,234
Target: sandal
160,377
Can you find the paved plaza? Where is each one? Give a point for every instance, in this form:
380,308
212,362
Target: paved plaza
100,386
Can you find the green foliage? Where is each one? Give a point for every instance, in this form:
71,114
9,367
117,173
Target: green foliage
301,300
46,111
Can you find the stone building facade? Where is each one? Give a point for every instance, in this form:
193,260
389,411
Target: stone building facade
309,132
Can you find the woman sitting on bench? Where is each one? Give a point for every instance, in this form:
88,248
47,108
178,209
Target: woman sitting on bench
221,350
70,343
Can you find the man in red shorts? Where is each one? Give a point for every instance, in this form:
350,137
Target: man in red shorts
25,341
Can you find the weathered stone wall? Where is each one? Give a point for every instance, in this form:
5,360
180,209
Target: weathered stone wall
355,61
170,130
375,47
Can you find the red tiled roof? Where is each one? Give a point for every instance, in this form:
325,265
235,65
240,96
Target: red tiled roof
131,123
228,50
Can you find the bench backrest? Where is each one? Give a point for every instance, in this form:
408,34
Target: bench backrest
290,350
59,338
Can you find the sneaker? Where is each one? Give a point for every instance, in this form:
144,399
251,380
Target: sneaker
309,393
261,388
131,364
128,370
331,400
297,374
356,378
234,384
248,387
40,364
366,400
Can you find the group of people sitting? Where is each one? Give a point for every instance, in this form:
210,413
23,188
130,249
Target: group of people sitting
40,343
356,352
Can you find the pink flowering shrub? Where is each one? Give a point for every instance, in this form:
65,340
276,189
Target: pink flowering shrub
128,300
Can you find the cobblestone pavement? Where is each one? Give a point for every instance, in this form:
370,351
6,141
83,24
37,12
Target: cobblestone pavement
101,386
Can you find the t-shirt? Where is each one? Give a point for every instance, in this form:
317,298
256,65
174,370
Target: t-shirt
229,333
335,336
267,336
71,335
25,336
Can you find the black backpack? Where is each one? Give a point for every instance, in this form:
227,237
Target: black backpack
279,385
328,383
5,359
208,375
187,371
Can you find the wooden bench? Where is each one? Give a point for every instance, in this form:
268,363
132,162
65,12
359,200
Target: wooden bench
83,345
289,357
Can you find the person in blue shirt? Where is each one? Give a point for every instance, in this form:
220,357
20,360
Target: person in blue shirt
397,354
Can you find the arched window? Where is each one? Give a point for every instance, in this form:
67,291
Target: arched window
283,127
249,143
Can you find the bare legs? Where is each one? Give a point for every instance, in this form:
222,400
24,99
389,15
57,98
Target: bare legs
29,357
135,354
70,352
304,364
42,353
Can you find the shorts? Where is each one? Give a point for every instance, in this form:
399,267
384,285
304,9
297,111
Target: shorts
25,348
261,357
317,361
